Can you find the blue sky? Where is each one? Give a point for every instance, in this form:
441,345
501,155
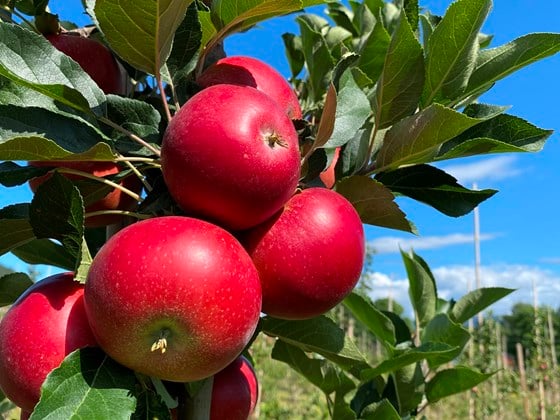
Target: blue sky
519,225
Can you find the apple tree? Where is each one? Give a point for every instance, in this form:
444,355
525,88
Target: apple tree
200,200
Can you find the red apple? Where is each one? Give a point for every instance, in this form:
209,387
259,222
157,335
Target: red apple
309,256
173,297
43,326
231,155
114,200
235,390
94,58
248,71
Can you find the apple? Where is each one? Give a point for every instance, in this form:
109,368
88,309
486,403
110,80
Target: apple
235,390
173,297
42,327
114,200
248,71
231,155
94,58
309,256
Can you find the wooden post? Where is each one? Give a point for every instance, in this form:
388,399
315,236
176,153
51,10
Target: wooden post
523,380
538,338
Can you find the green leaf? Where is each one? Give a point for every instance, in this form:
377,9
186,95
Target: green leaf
434,187
411,9
12,174
320,335
453,381
402,79
374,203
476,301
319,372
40,148
452,49
381,410
373,52
441,329
407,357
355,153
30,60
318,58
88,384
373,319
12,287
141,31
418,138
501,134
294,53
15,227
496,63
422,287
352,110
402,331
136,116
44,251
31,7
237,15
409,387
83,263
32,128
150,406
186,45
341,408
57,212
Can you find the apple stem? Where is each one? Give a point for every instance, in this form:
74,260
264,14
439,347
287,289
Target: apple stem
99,179
161,342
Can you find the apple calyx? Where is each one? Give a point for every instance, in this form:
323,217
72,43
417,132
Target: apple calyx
161,342
274,139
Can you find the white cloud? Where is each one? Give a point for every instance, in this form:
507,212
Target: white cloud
393,244
551,260
490,169
452,283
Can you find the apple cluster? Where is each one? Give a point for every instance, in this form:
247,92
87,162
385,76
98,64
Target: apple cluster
179,297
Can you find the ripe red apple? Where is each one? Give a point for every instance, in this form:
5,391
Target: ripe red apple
309,256
235,390
248,71
41,328
173,297
231,155
114,200
95,58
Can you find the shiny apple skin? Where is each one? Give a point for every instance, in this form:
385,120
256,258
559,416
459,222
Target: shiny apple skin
220,160
249,71
40,329
235,391
176,277
309,256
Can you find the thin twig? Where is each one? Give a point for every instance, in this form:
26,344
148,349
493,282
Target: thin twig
139,175
118,212
101,180
164,98
175,98
130,135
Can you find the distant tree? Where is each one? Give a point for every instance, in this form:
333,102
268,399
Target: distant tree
519,326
